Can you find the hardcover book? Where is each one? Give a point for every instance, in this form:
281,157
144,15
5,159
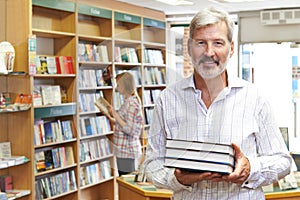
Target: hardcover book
102,104
201,146
198,165
51,94
206,156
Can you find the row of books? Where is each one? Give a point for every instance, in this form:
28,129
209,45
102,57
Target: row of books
47,95
55,185
97,125
199,156
99,53
53,158
153,56
92,52
92,78
154,75
126,54
54,65
52,131
150,96
94,173
87,101
94,149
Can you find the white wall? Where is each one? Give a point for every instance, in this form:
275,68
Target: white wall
273,75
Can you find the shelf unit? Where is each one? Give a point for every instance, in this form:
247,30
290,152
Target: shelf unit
11,124
94,31
67,28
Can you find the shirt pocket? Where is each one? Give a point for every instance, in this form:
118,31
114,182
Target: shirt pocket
174,126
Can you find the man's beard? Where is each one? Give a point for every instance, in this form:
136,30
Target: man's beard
207,72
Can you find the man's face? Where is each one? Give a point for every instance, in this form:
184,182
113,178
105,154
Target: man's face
210,50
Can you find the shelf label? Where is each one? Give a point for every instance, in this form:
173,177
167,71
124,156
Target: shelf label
55,111
154,23
94,11
58,4
127,18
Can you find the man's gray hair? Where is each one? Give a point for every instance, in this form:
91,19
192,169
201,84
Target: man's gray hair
209,16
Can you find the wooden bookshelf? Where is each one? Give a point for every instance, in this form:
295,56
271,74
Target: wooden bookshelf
62,28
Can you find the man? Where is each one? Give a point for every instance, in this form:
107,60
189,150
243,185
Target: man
213,106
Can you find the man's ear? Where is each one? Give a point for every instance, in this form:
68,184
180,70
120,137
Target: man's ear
231,48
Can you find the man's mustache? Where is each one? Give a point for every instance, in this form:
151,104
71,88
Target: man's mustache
208,59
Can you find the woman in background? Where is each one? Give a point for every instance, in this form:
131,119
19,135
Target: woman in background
128,125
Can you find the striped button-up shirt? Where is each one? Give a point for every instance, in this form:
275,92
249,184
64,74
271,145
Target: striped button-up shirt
127,138
238,115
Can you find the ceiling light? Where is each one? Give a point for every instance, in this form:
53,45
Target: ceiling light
176,2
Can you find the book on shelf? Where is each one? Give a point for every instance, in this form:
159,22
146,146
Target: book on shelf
199,156
16,193
67,127
3,164
148,115
3,196
64,65
69,155
40,164
5,149
51,65
49,132
37,96
103,105
48,159
15,160
41,64
51,94
6,182
102,55
118,54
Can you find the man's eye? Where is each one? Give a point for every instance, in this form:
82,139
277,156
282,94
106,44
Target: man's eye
219,44
199,43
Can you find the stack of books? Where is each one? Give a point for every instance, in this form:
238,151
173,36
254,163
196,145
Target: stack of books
199,156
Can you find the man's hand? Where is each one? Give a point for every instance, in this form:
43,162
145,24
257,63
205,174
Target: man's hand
188,178
238,176
242,168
